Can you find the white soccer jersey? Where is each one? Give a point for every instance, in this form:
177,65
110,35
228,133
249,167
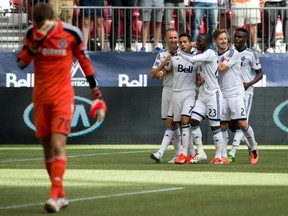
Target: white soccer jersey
230,81
161,56
184,86
249,63
184,73
208,69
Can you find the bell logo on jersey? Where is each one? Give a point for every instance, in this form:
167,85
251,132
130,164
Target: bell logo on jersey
181,68
124,81
81,123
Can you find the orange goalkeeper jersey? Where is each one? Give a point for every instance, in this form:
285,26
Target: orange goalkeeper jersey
53,63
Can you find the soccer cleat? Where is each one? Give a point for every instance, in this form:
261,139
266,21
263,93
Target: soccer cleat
231,159
216,161
199,157
156,156
172,161
225,160
51,206
188,159
254,156
181,159
62,202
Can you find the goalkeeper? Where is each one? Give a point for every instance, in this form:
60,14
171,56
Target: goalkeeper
52,45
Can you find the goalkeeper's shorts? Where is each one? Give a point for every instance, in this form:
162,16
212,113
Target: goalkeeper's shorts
53,118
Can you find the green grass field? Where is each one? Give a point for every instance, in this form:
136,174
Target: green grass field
123,180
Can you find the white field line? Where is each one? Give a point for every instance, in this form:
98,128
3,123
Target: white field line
77,156
97,197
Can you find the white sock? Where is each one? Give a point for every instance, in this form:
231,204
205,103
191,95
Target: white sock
166,140
218,140
185,138
236,142
249,134
225,138
245,141
176,140
197,138
191,149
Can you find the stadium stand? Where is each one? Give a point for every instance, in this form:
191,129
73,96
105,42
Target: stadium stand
15,16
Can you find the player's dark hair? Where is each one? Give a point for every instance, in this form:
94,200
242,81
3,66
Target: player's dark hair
203,38
206,38
185,35
42,11
242,30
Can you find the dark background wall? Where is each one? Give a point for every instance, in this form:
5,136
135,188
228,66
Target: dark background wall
134,117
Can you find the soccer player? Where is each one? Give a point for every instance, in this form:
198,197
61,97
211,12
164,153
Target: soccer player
209,101
184,94
232,88
172,132
251,73
52,45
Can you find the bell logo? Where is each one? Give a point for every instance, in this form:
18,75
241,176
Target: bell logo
13,81
81,123
124,81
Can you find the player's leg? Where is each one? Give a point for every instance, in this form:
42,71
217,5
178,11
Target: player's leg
185,137
214,113
225,118
249,134
61,116
185,106
198,114
238,134
248,105
167,115
48,154
218,140
58,167
225,137
166,140
238,111
191,150
176,140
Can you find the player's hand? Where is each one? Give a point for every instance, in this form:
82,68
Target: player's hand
193,44
246,86
96,93
98,106
159,74
99,109
199,80
40,33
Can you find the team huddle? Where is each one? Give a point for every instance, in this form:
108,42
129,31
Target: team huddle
200,83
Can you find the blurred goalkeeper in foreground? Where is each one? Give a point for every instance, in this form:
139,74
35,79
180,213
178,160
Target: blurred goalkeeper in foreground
52,44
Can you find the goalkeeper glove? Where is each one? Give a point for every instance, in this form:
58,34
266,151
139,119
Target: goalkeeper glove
98,105
40,34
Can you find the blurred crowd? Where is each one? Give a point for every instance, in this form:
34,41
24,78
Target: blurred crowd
139,25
